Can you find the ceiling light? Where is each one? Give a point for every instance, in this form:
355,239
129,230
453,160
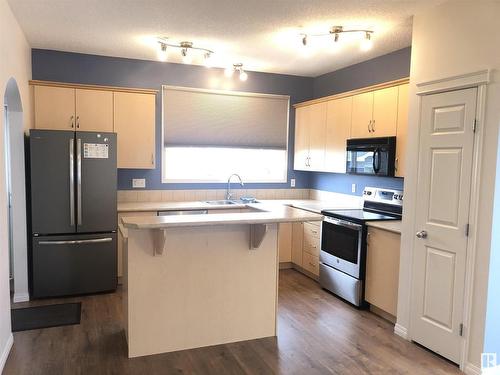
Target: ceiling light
187,51
366,43
243,75
207,59
336,31
162,51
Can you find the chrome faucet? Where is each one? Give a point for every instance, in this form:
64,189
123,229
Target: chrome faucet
228,192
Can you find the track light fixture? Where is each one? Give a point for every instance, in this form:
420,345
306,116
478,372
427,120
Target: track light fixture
186,48
337,31
238,67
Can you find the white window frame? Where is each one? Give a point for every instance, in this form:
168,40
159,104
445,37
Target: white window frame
165,180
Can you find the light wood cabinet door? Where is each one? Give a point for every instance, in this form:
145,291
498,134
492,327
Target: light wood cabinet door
402,130
297,243
134,123
285,242
54,108
301,152
362,115
382,269
385,112
94,110
317,136
338,130
311,263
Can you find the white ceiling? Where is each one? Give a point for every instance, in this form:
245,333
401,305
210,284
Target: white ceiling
262,34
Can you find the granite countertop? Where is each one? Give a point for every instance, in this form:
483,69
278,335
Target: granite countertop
265,213
391,225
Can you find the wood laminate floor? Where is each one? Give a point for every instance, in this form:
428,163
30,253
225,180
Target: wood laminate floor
317,334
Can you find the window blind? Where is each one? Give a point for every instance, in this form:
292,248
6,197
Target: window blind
196,117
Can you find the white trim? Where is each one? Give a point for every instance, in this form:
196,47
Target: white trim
401,331
462,81
225,92
6,351
480,80
473,220
21,297
471,369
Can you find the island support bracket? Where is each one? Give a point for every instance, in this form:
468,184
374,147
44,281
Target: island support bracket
257,234
159,241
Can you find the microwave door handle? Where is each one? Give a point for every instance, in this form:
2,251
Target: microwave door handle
373,160
376,160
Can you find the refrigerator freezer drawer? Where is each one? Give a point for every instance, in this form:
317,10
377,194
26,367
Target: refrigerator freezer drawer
73,264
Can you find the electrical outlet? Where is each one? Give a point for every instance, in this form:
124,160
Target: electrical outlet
138,183
353,188
292,182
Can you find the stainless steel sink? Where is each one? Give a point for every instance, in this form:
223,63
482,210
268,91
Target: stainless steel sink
222,202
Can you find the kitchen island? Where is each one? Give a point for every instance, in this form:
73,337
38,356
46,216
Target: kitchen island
200,280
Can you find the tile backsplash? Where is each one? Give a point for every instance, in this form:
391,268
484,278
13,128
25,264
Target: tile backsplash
211,194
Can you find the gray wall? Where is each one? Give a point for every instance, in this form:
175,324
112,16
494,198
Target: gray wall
114,71
381,69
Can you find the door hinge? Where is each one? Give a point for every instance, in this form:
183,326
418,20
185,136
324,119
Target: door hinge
461,329
467,228
474,125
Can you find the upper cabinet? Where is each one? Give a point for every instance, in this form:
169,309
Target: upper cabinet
94,110
54,108
323,126
134,118
310,133
401,131
338,131
375,113
128,112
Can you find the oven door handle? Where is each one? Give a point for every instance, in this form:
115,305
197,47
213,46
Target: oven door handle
343,223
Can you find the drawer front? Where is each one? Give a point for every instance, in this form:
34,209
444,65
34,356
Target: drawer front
312,230
311,244
310,263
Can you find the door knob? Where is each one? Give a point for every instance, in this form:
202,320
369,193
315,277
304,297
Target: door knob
421,234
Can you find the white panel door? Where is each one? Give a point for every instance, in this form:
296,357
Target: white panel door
444,184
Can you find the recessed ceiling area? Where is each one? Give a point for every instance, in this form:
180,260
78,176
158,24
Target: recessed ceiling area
264,35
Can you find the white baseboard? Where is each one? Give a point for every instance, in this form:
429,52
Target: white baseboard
401,331
471,369
6,351
21,297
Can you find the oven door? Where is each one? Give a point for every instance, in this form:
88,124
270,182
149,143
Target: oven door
341,245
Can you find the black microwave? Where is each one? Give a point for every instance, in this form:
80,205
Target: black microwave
371,156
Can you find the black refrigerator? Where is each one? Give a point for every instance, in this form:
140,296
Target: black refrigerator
72,177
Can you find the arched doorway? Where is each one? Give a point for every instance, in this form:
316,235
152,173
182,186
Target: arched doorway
16,190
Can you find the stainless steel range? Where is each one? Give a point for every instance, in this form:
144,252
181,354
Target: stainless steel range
343,242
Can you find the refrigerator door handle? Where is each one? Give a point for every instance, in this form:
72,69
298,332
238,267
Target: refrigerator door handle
71,182
76,242
79,180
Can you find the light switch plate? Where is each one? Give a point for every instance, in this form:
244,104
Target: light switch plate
353,188
138,183
292,182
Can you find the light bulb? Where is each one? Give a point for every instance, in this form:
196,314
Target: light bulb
366,43
208,60
162,52
186,57
243,76
228,72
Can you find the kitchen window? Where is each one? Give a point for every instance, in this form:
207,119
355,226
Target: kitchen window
210,134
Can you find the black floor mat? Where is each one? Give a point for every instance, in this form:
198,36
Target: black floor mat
45,316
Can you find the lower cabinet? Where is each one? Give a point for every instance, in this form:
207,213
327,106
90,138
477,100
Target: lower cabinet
382,270
305,247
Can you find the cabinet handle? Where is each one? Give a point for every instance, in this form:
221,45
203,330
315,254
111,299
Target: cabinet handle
71,119
78,122
396,162
152,159
373,126
369,130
